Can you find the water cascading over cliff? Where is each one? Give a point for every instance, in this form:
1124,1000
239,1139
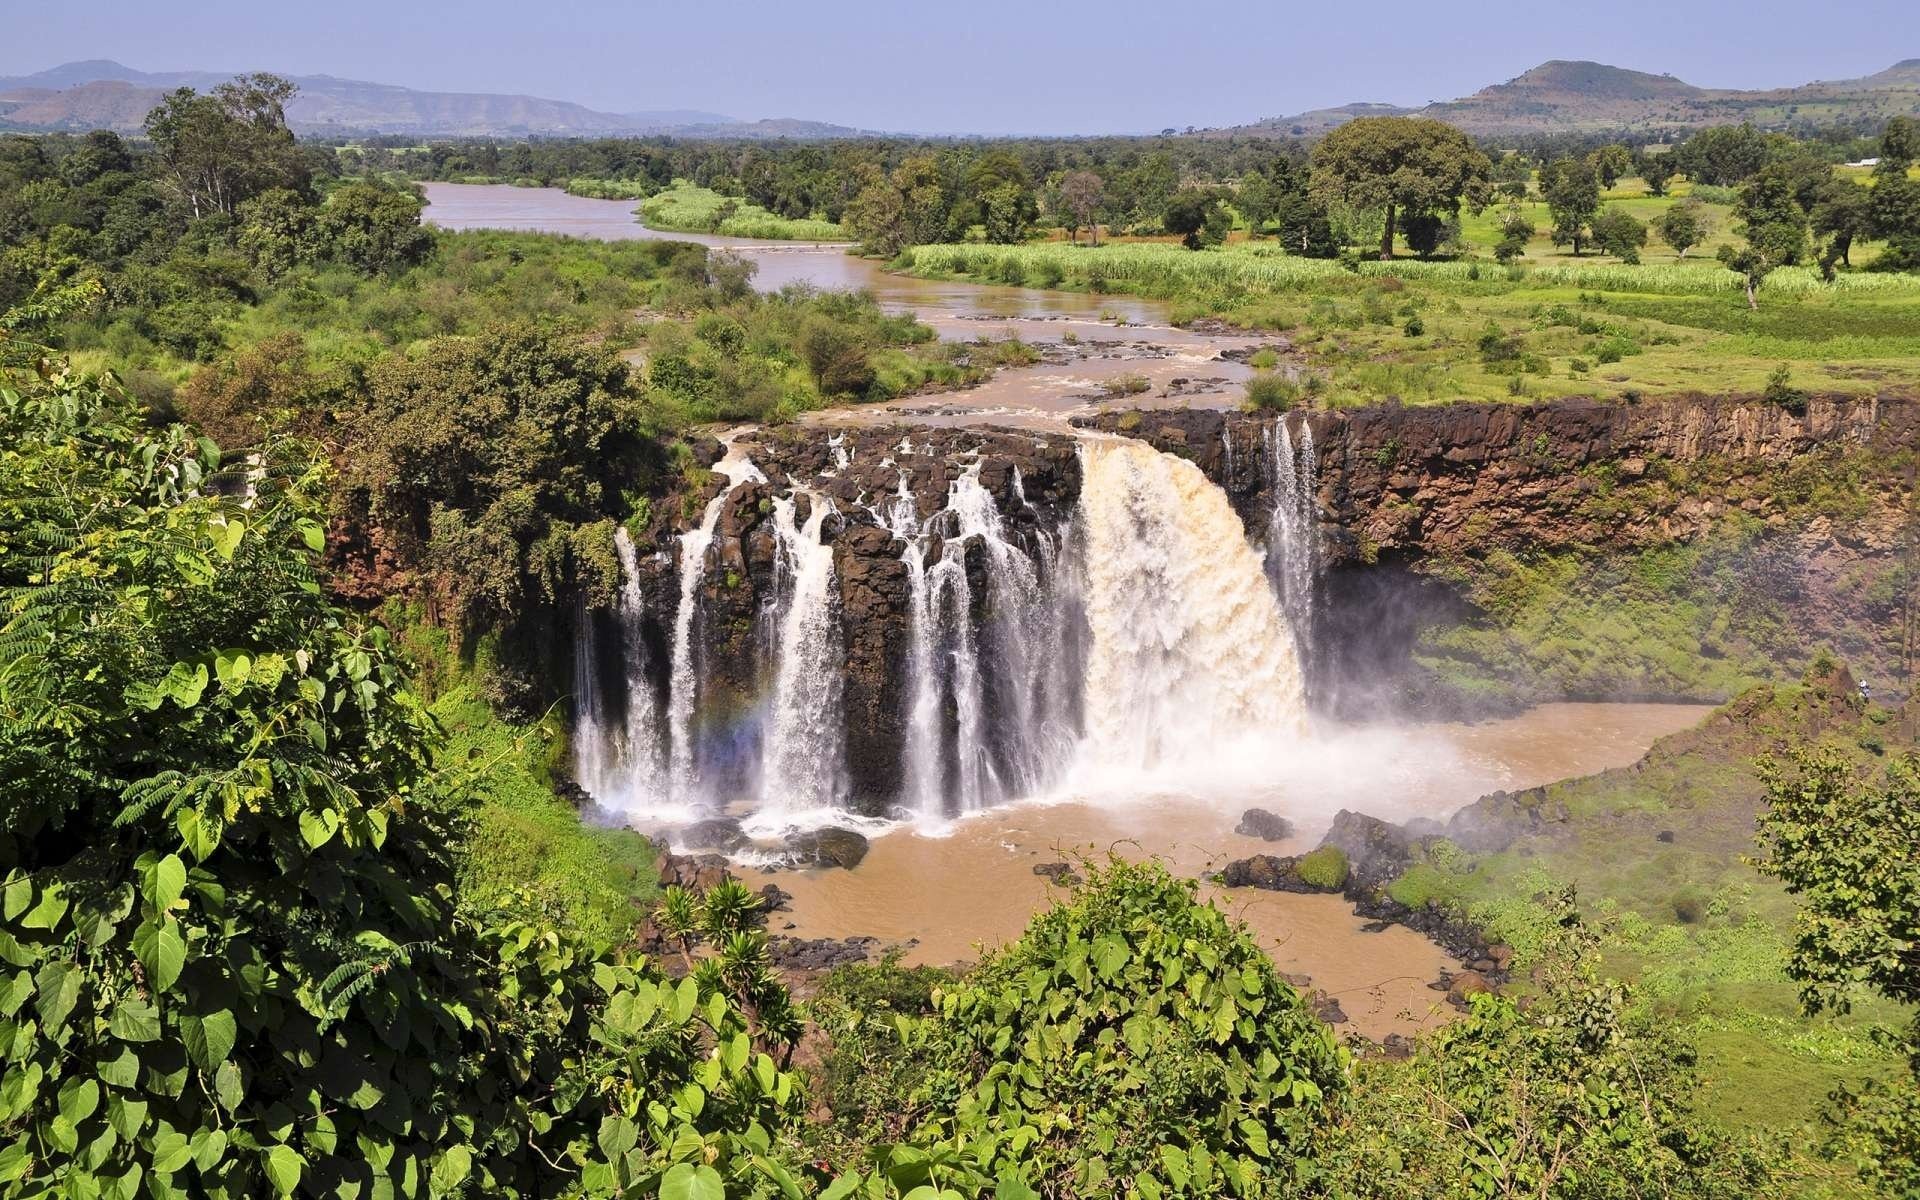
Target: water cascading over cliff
1124,638
1292,552
1191,664
991,707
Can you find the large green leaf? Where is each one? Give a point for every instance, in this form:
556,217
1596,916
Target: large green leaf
58,984
450,1171
166,881
685,1181
135,1021
209,1038
283,1166
161,950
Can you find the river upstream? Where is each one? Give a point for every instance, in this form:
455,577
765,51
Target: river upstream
945,888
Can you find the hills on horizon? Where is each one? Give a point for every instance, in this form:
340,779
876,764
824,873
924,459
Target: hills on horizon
1558,96
1570,96
102,94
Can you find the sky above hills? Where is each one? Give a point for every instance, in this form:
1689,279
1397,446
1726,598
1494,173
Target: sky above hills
985,66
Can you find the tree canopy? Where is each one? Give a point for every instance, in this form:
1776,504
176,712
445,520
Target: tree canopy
1409,165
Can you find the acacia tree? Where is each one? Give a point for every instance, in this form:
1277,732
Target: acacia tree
218,150
1080,194
1402,164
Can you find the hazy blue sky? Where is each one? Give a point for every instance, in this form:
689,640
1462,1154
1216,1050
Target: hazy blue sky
985,66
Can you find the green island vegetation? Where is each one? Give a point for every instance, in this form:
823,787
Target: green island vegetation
295,494
689,208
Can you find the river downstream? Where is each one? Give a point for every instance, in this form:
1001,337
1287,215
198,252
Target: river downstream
1087,340
943,887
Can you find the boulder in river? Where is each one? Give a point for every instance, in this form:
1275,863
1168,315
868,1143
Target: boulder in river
1376,851
830,847
713,833
1267,826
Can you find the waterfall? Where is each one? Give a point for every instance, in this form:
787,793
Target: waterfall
684,684
1191,660
621,767
1011,710
1292,534
804,764
1140,649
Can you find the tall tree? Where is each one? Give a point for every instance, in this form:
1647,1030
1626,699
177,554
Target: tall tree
219,150
1401,164
1774,226
1572,192
1610,162
1080,194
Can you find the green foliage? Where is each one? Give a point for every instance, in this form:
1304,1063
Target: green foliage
1325,868
237,962
1134,1041
688,208
1574,1096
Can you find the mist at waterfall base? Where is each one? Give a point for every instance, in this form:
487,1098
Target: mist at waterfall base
1143,653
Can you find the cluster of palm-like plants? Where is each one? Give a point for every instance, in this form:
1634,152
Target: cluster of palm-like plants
726,920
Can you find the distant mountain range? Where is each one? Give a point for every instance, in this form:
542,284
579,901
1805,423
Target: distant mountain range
1581,97
1554,97
100,94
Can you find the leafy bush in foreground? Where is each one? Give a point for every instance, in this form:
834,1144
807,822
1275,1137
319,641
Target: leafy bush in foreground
1133,1042
235,961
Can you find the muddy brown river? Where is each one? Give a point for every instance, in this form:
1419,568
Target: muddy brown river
943,892
1089,340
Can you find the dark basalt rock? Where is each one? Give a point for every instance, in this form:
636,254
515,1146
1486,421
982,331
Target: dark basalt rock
1267,826
819,954
1377,851
714,833
831,847
696,872
1061,873
1272,873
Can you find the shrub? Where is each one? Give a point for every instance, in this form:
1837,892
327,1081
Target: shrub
1324,868
1135,1036
1270,391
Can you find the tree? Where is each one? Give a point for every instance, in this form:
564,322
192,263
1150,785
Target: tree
1572,192
219,150
1513,173
1403,165
1683,226
1197,215
1774,226
373,228
1842,212
475,457
1844,845
1724,155
1428,233
876,216
1515,232
1619,234
1610,162
1893,212
1080,196
1658,170
1899,146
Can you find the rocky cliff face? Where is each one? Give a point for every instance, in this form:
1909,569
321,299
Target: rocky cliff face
1455,479
875,480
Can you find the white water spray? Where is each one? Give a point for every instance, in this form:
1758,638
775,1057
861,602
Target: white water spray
1192,669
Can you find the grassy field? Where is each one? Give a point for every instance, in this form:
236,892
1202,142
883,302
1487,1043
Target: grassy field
1431,332
1660,850
686,208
